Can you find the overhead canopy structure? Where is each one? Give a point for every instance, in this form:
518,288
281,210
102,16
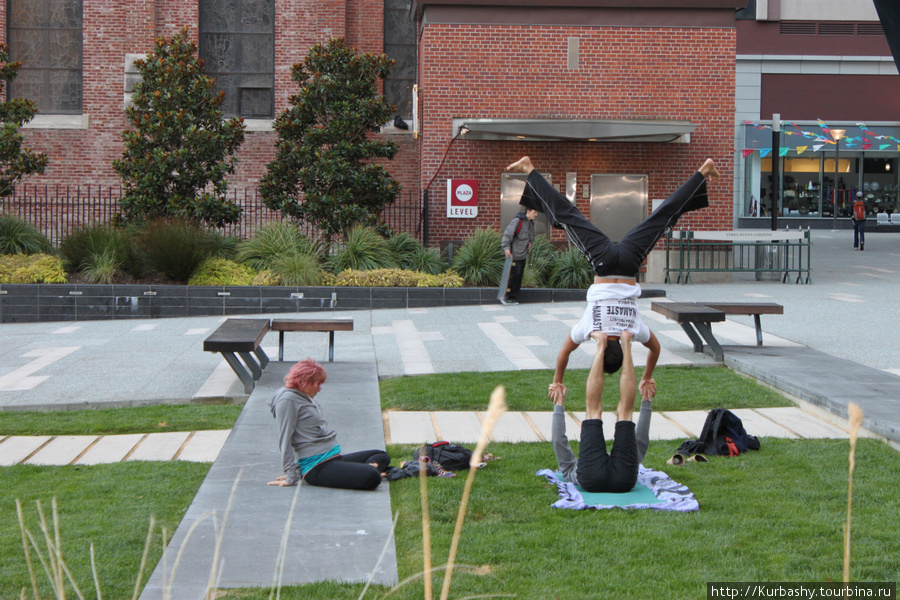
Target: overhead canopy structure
574,130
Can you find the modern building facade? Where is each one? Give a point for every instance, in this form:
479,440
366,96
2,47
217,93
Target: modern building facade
824,66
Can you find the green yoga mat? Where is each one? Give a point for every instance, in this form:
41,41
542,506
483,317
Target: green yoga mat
639,494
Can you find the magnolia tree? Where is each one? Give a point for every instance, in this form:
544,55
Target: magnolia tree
181,148
16,160
324,171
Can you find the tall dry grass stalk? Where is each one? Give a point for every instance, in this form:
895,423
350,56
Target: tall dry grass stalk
856,416
496,408
282,551
426,533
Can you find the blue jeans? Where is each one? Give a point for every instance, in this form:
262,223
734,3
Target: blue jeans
859,233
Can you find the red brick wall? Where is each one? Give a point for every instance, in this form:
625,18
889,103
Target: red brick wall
113,28
508,71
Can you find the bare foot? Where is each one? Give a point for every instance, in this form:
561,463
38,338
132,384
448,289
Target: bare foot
523,165
708,169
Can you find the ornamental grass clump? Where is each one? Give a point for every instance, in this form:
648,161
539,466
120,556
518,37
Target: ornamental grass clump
571,270
363,250
18,236
176,248
31,268
480,259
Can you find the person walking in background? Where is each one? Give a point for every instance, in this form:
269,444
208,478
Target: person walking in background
858,216
517,241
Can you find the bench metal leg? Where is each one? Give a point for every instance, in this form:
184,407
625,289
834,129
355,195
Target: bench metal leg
706,331
240,371
692,333
758,330
262,357
330,346
281,345
255,369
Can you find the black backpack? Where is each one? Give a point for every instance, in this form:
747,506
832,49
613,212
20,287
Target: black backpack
723,434
452,457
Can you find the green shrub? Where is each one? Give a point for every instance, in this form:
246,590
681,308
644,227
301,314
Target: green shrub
101,267
272,242
540,262
223,246
480,259
221,271
427,260
571,270
297,268
363,250
396,278
17,236
403,247
267,277
87,246
32,268
175,248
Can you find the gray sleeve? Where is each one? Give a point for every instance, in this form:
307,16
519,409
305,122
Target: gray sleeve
286,421
565,458
508,234
642,431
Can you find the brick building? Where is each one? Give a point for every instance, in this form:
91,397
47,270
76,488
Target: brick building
586,88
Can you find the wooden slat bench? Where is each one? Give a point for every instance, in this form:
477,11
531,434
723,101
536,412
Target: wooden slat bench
329,325
241,336
696,319
749,308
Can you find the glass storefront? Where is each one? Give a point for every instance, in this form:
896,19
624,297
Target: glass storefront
806,169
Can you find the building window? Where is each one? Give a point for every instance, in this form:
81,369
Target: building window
237,42
45,35
400,44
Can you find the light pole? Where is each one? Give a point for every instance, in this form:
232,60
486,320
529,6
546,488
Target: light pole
837,134
776,178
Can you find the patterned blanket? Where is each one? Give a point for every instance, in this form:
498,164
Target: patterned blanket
654,490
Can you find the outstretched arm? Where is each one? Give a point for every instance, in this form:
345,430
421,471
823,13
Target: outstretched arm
647,385
562,361
593,396
627,380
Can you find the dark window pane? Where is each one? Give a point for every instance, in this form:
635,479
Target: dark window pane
237,42
46,36
400,44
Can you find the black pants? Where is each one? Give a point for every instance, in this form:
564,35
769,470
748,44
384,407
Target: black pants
350,471
605,256
516,271
599,471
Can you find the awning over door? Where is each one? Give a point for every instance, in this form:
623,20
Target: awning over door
574,130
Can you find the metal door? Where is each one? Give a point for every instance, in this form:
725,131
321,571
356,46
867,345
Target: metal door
618,203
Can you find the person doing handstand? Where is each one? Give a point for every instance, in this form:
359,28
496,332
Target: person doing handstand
597,470
612,299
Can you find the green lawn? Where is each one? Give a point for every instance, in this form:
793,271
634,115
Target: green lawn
773,515
109,421
107,505
680,388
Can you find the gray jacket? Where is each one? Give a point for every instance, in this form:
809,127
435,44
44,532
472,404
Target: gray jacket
519,244
302,432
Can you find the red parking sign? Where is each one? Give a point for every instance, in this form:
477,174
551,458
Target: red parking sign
462,198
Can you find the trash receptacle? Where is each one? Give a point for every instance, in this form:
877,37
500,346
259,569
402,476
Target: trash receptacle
769,262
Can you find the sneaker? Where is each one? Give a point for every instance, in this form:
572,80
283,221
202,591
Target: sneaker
506,302
862,247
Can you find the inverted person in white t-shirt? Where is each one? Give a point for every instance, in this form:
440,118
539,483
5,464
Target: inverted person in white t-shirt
612,313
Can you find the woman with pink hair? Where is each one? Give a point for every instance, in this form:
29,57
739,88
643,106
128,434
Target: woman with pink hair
308,446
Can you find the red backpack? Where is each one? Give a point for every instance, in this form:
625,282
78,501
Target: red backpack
859,210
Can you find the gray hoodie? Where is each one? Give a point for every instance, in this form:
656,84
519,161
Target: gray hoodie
302,432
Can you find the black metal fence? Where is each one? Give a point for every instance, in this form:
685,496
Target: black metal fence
57,211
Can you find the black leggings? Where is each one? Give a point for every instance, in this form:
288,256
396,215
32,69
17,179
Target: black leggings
350,471
606,257
599,471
